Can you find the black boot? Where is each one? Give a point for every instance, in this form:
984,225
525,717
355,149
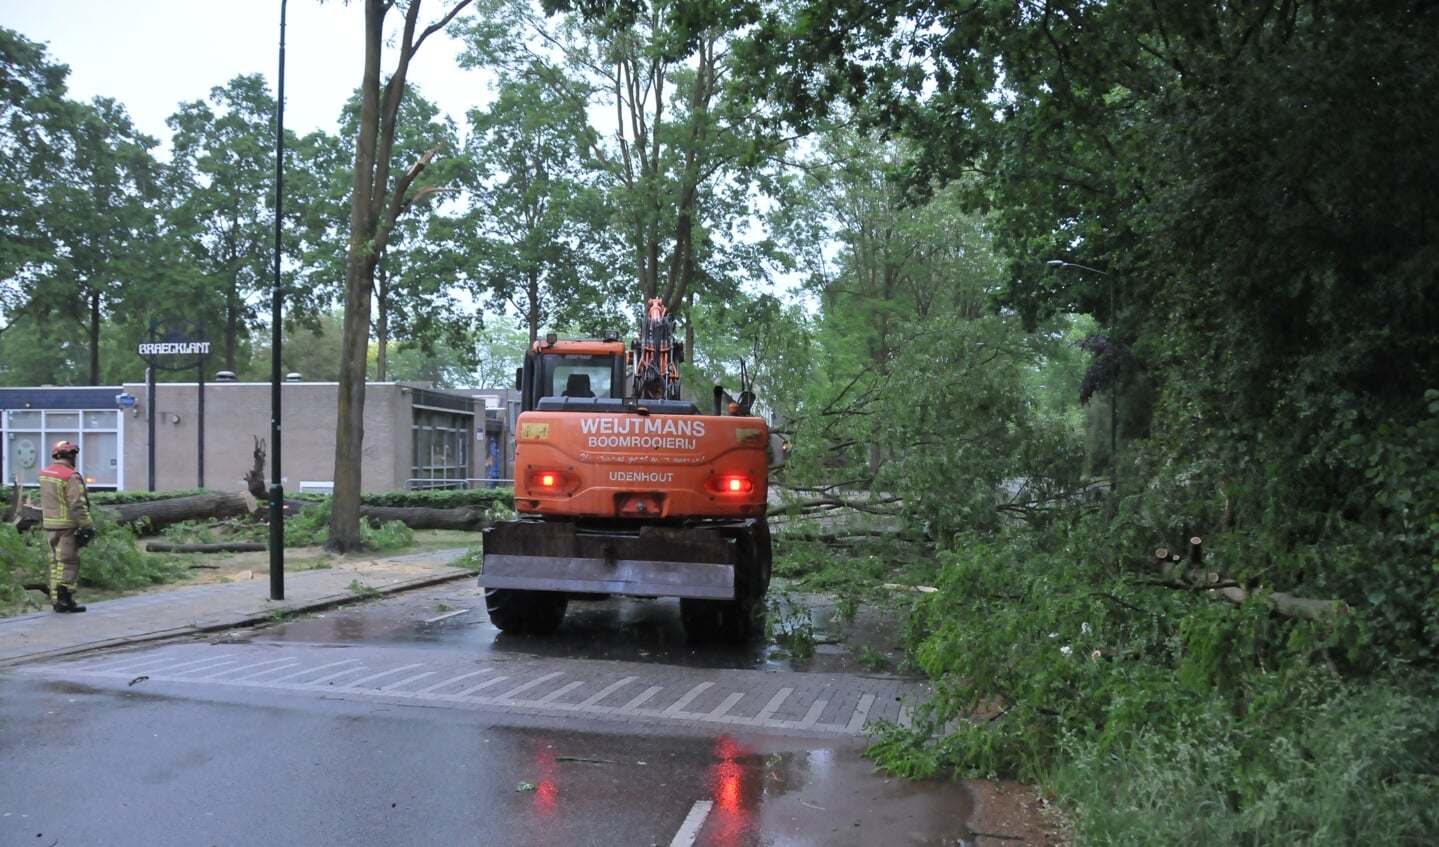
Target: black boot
65,601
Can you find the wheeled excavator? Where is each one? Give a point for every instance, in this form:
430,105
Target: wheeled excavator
624,488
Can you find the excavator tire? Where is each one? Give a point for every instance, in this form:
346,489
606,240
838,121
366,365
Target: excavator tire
739,620
521,612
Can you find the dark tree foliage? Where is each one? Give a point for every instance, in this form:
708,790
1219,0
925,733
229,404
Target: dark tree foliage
1258,179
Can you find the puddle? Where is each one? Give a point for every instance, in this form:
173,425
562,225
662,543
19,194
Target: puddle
803,632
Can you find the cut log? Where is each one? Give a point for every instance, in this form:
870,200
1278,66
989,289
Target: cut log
1287,604
155,515
221,547
471,520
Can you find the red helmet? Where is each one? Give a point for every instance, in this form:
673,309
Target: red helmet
64,450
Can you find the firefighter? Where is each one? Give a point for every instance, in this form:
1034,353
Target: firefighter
67,522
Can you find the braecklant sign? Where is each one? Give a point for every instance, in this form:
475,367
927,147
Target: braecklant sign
176,345
175,348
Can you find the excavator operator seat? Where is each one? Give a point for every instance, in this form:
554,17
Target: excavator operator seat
578,385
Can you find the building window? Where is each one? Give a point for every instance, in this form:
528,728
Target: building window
30,434
440,449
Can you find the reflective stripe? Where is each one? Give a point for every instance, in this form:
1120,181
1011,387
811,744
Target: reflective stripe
54,500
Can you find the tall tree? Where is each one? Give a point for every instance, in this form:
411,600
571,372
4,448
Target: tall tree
376,202
679,156
35,120
102,218
412,300
221,170
536,225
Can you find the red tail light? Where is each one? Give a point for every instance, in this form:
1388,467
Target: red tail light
730,484
549,480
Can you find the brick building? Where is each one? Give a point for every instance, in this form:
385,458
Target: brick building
194,435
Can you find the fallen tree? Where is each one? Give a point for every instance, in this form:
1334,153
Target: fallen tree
219,547
1177,572
151,516
465,519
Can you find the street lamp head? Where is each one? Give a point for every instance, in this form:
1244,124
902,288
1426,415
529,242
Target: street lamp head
1060,263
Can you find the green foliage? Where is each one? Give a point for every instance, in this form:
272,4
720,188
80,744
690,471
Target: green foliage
814,567
1352,766
113,562
390,535
361,590
110,563
472,560
456,498
24,559
789,624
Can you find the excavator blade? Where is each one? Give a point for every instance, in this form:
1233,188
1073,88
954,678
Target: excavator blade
652,561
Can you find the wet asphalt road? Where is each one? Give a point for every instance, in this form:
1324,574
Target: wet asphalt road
411,721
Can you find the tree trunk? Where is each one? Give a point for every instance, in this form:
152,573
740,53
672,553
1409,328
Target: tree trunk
223,547
154,516
469,520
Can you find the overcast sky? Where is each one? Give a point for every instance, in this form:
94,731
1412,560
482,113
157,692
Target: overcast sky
151,55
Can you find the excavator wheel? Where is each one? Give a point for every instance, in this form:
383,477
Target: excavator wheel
523,612
726,621
741,619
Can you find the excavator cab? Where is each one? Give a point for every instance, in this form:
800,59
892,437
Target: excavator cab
579,370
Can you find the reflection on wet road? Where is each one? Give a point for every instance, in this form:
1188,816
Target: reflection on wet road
615,730
614,629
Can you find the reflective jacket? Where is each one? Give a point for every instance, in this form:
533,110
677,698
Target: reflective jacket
62,498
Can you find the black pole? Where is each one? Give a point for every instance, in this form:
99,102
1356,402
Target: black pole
200,424
1113,405
150,424
277,488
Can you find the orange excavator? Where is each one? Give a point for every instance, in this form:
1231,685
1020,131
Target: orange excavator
622,487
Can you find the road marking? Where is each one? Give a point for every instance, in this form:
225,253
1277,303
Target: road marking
559,692
605,692
485,684
773,705
694,822
335,675
722,709
856,721
678,706
279,665
635,703
407,680
810,717
520,689
355,683
453,680
303,671
840,706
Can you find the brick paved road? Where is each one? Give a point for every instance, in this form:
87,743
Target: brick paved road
694,699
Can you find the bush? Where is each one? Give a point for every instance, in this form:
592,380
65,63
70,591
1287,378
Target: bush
1160,715
1348,767
23,559
111,562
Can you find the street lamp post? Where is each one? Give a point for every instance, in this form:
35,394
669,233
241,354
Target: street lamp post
1114,379
277,487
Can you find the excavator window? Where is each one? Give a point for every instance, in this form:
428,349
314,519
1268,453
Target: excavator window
578,385
579,376
552,376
